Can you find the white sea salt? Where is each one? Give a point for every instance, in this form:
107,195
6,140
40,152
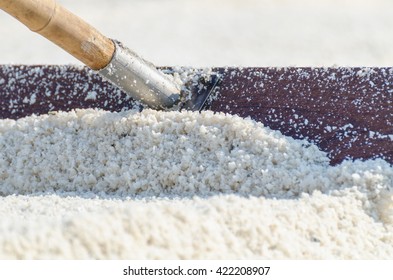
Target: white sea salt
84,172
91,95
348,215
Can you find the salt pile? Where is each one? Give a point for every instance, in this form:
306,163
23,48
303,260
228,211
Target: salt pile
95,184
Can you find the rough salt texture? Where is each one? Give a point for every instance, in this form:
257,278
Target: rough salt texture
317,226
95,184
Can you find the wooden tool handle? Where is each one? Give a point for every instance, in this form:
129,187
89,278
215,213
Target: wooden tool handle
63,28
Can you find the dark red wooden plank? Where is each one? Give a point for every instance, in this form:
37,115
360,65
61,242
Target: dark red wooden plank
26,90
347,112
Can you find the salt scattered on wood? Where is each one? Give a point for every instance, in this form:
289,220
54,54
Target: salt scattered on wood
91,95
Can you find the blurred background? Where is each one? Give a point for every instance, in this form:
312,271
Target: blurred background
224,32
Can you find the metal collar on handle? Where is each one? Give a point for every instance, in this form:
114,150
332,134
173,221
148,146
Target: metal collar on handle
140,79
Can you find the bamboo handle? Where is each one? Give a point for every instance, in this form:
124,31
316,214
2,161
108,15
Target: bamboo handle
63,28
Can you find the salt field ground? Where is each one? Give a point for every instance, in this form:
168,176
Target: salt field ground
90,184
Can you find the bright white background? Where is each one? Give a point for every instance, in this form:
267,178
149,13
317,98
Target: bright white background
225,32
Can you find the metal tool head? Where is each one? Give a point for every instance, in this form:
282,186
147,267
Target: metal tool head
143,82
200,92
